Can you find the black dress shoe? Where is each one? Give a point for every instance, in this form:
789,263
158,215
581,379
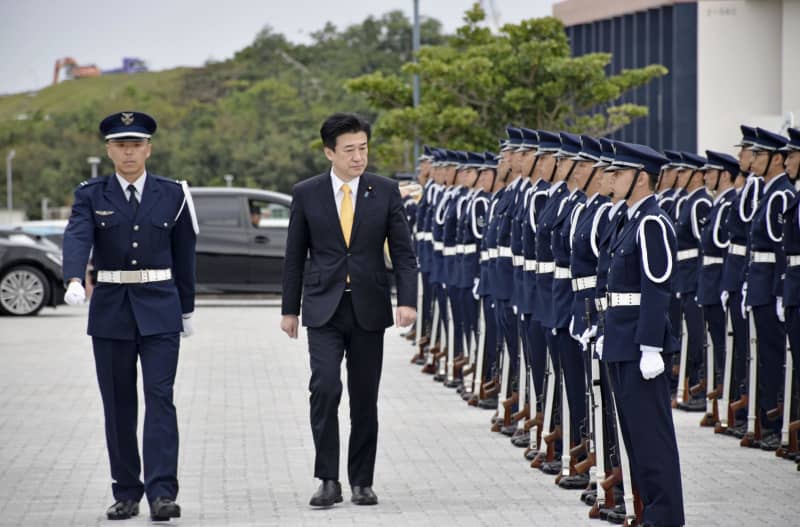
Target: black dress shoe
364,496
328,493
552,467
770,442
123,509
575,482
162,509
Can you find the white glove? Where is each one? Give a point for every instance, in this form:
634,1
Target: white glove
572,329
779,309
744,307
588,335
651,364
723,298
514,309
188,326
75,295
598,346
475,283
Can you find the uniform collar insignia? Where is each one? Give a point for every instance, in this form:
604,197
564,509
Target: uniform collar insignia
104,212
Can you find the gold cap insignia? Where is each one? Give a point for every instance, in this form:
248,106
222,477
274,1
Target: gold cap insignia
127,119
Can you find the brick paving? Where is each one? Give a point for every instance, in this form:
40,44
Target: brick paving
247,455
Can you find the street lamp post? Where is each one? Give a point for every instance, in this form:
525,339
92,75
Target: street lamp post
415,47
228,179
9,189
93,161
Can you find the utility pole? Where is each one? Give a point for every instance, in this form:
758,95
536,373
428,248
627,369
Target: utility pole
415,48
9,189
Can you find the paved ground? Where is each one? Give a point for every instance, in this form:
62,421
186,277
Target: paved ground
246,451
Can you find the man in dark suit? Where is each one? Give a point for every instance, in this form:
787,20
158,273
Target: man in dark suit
340,219
141,231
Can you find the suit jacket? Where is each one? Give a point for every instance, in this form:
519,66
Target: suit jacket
315,231
160,236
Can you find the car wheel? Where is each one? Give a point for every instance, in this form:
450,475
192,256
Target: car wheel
23,291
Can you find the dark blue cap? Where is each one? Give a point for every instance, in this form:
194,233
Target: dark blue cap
590,149
439,155
452,157
489,160
463,158
530,138
549,142
606,152
427,154
722,161
632,155
675,159
693,161
514,136
128,126
748,135
570,144
474,159
794,139
770,141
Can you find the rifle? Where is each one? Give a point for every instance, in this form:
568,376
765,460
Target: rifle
524,411
429,366
723,410
789,428
753,419
711,416
477,380
683,380
545,436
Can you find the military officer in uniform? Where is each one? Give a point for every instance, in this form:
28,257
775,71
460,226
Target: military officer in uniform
638,339
141,231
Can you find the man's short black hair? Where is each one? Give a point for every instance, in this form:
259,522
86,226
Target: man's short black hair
342,123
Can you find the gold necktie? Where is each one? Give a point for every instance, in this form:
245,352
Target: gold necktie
346,214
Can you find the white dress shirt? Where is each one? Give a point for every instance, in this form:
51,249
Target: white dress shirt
138,185
338,193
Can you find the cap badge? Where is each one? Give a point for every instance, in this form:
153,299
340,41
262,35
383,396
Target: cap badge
127,119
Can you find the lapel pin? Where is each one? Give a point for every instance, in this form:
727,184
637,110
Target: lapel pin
369,189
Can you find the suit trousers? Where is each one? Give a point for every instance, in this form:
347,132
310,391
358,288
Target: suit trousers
342,337
115,361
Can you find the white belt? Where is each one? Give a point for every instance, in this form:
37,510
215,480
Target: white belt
601,304
470,248
711,260
688,254
484,255
762,257
459,248
529,265
624,299
518,261
141,276
793,260
545,267
505,252
420,235
438,246
585,282
449,251
492,253
738,250
562,273
429,236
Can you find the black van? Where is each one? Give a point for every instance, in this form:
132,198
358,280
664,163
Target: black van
242,239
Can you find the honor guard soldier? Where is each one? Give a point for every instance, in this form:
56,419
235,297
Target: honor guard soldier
691,212
425,179
764,282
737,224
791,293
638,340
141,230
720,173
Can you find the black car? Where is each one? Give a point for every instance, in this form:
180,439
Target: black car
242,239
30,273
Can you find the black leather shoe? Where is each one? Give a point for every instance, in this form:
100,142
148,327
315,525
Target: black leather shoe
328,493
488,404
552,467
364,496
770,442
163,509
576,482
123,509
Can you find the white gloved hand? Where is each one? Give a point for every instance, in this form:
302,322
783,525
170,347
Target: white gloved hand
588,335
188,326
475,283
75,295
598,346
723,298
651,364
779,309
514,309
744,307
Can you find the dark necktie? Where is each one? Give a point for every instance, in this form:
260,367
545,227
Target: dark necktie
132,201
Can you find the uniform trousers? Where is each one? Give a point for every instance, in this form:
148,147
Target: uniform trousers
771,346
714,318
695,337
115,362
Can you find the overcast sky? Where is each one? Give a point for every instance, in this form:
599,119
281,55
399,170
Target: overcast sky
169,33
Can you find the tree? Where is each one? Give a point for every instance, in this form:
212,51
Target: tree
477,82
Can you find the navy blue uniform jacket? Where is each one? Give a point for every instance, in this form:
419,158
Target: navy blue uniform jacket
160,236
315,230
